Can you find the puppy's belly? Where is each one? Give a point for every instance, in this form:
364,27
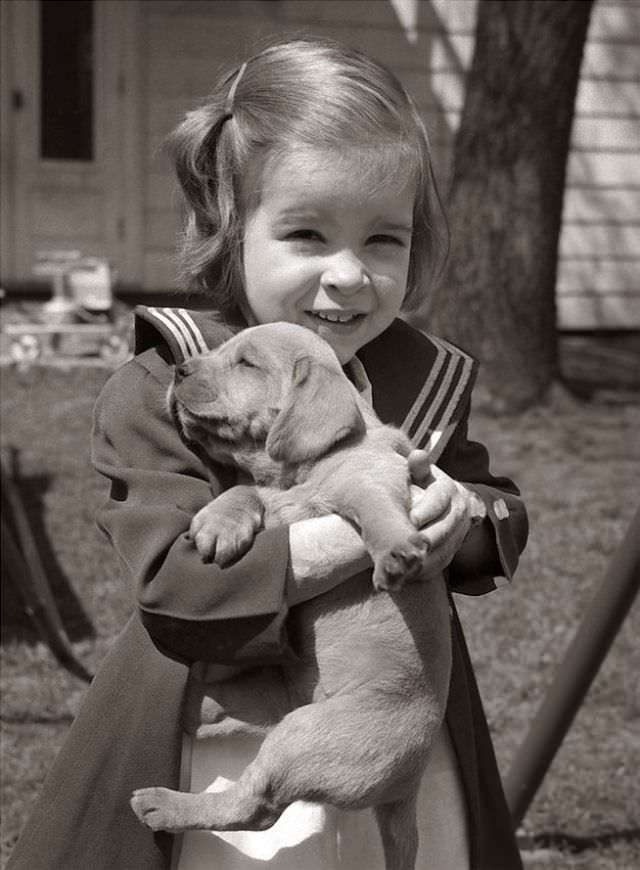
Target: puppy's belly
354,639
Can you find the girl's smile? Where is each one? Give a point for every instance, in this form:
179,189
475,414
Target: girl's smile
327,245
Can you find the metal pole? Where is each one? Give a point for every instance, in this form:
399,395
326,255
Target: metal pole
575,674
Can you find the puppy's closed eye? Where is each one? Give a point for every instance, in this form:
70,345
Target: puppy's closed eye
245,362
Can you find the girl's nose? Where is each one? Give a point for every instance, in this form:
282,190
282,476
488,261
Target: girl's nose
345,273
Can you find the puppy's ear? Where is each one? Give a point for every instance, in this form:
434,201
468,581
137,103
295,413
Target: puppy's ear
320,410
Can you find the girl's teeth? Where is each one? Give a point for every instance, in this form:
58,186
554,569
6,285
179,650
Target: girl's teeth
335,318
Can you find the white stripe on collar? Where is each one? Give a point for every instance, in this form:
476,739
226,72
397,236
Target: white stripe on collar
452,379
441,356
183,328
436,405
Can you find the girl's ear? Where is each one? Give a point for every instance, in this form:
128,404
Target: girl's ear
320,410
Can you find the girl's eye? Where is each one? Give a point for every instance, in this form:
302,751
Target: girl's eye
304,236
385,239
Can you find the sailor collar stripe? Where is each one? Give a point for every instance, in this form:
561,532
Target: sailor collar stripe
178,328
435,413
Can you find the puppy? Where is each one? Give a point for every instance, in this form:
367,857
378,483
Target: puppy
371,672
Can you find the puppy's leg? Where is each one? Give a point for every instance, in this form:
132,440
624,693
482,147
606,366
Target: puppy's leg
398,826
311,755
225,528
395,545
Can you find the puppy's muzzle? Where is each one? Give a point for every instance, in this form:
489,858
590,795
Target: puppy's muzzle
193,387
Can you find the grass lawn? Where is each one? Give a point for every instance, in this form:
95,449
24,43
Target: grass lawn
578,464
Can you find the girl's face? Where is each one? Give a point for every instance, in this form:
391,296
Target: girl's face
321,251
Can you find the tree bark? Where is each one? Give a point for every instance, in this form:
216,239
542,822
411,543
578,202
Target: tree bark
505,202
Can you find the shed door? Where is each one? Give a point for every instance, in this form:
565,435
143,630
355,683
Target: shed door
66,170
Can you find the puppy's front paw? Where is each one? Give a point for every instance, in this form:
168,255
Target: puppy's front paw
162,809
400,564
221,538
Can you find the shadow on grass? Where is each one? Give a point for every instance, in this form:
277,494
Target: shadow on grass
591,362
17,623
575,844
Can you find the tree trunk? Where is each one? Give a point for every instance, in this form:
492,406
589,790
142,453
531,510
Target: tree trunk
505,203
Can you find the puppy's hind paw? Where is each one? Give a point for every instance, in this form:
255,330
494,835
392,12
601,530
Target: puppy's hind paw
400,564
160,809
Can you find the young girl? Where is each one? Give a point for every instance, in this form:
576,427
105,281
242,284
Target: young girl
310,199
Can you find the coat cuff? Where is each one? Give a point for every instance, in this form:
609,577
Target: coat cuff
248,640
507,516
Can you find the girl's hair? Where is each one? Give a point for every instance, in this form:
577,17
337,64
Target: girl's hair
296,94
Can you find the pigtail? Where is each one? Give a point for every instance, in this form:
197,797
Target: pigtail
192,148
206,173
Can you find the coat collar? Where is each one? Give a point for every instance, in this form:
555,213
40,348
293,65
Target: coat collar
187,333
419,382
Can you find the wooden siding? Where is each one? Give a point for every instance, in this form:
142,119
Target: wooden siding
185,45
599,269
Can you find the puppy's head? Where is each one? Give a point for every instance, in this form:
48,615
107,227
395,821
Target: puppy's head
277,387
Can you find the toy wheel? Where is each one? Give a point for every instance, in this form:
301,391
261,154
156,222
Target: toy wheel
25,349
114,350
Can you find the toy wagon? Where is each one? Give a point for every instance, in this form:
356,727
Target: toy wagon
78,320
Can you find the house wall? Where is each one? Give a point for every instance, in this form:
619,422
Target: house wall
599,270
429,44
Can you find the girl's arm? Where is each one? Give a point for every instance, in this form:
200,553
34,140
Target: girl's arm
324,552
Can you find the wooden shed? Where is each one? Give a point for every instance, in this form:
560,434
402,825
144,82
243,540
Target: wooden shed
125,71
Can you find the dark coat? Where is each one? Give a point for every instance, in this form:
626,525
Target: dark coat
128,733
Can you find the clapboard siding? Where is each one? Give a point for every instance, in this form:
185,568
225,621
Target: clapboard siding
615,21
598,205
613,276
185,45
161,234
599,268
160,269
604,169
617,134
595,310
601,98
600,240
610,60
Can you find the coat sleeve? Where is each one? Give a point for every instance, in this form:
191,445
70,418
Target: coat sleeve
192,610
468,462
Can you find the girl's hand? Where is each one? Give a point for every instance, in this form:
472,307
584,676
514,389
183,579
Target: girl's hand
443,510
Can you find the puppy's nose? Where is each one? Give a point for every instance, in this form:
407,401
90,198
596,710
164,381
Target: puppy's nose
181,371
